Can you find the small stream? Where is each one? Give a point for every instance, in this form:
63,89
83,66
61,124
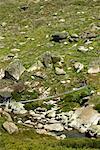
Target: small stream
71,134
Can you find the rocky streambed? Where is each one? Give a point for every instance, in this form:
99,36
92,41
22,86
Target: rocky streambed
83,121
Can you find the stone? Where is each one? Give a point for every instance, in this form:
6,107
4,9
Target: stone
40,74
37,66
40,109
15,50
14,70
59,71
58,37
94,69
52,121
31,112
2,38
51,114
54,127
17,107
82,49
2,74
7,116
10,127
21,112
47,59
78,66
41,131
95,129
1,110
74,35
40,126
5,94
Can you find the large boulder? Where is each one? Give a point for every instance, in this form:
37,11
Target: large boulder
10,127
14,70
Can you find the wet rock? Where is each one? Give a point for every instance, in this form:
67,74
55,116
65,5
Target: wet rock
14,70
59,71
78,66
10,127
82,49
59,37
54,127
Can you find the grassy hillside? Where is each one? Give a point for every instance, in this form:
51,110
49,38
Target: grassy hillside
27,25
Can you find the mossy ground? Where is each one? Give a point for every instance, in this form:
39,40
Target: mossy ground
30,31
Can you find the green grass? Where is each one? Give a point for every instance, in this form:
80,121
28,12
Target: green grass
38,21
29,140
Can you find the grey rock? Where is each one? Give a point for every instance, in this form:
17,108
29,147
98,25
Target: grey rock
58,37
14,70
47,59
37,66
2,74
78,66
10,127
59,71
94,69
51,114
54,127
83,49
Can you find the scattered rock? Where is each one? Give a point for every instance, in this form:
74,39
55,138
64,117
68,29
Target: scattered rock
47,59
36,66
59,71
7,115
51,114
10,127
94,130
5,94
54,127
59,36
78,66
14,70
41,131
2,74
15,50
82,49
94,69
25,7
